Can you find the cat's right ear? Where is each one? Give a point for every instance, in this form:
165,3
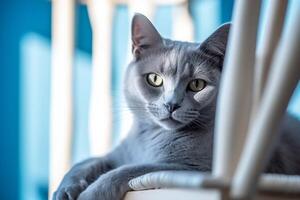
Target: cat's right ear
143,35
217,41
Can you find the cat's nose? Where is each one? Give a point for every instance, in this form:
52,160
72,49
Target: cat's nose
171,107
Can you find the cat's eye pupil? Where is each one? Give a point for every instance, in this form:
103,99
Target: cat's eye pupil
197,83
155,78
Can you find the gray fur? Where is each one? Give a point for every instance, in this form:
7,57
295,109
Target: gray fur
159,139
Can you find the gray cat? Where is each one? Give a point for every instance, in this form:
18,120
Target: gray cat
171,88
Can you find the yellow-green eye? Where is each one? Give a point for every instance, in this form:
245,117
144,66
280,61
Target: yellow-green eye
196,85
154,80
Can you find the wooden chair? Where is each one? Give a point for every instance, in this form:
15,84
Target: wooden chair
247,112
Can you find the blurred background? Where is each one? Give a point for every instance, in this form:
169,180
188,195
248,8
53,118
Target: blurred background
25,82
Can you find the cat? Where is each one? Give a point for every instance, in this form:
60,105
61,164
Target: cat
171,88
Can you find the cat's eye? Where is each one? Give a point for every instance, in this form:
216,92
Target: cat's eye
196,85
154,80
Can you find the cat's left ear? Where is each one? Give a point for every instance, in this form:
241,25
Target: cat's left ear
143,35
216,43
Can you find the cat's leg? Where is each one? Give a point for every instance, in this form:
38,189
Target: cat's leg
81,176
114,184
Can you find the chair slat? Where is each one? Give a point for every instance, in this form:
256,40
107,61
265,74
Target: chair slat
275,15
279,184
283,78
234,102
61,113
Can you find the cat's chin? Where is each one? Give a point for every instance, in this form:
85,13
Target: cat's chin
170,124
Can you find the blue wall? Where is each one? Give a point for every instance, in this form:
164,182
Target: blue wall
17,18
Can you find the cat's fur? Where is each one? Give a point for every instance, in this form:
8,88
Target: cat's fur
163,139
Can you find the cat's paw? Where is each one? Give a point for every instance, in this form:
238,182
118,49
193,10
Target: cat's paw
70,191
107,187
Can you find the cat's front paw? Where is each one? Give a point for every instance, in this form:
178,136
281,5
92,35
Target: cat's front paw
108,187
70,191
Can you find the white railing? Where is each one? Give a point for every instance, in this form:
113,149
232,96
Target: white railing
61,111
255,90
100,118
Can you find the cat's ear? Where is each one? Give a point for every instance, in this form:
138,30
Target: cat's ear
143,34
216,43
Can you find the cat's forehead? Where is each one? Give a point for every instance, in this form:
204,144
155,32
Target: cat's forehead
176,59
181,59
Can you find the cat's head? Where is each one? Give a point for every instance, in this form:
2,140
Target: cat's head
170,83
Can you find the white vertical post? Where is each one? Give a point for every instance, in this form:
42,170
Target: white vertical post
100,113
275,15
147,8
183,28
283,78
61,90
234,103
